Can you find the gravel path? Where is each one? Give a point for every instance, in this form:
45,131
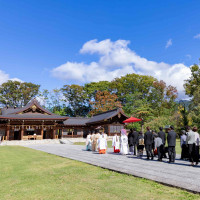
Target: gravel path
179,174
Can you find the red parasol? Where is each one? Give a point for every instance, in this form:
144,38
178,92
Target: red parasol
131,119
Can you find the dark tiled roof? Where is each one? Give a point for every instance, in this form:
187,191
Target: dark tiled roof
106,115
33,117
76,121
6,111
17,113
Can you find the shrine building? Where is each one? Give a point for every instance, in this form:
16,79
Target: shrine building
35,122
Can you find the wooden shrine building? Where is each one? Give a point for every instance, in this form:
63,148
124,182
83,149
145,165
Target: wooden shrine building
111,121
29,122
35,122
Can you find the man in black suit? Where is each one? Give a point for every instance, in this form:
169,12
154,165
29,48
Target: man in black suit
132,140
162,135
171,140
148,141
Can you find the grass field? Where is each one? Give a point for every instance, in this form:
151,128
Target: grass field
178,148
29,174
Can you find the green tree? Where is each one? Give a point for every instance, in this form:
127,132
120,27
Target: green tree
131,84
15,93
76,97
193,83
92,88
192,88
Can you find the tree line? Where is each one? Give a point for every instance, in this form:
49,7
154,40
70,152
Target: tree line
139,95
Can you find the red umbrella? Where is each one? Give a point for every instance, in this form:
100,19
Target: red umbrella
131,119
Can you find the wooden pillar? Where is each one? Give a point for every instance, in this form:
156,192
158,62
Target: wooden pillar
54,133
72,133
108,130
61,133
22,132
7,132
42,132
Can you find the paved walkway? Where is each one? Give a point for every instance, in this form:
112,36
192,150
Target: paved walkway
180,174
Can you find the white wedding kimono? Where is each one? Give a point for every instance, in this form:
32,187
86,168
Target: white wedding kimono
88,143
115,144
124,145
102,145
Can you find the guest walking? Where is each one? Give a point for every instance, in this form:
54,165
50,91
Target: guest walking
148,141
191,145
132,140
140,143
171,139
162,135
157,145
196,145
183,144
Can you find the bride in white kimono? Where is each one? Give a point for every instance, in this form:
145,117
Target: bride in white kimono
124,142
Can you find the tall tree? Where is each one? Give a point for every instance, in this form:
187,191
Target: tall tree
131,84
15,93
76,97
92,88
192,88
104,101
193,83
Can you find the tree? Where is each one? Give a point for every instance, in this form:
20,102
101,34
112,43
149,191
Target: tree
15,93
104,101
194,111
192,88
192,84
76,97
92,88
162,98
131,84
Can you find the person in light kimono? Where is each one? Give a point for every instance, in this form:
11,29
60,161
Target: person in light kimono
115,143
102,144
88,143
93,141
124,142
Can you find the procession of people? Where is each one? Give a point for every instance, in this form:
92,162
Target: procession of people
134,143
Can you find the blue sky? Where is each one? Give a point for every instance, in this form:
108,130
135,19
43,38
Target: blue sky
47,42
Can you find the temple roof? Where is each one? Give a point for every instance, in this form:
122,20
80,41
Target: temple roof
76,121
101,117
106,115
32,111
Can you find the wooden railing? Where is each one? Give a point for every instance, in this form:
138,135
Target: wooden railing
29,137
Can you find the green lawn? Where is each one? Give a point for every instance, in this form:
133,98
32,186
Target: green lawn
30,174
178,148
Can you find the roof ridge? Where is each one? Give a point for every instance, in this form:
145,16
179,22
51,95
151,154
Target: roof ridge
105,112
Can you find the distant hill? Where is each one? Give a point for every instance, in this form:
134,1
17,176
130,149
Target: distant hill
185,102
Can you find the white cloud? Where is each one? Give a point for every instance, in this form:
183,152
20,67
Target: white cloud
197,36
5,77
168,44
116,60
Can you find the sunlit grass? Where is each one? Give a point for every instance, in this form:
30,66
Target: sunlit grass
30,174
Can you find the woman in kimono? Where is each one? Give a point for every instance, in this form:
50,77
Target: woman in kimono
93,142
124,142
102,144
115,143
88,143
